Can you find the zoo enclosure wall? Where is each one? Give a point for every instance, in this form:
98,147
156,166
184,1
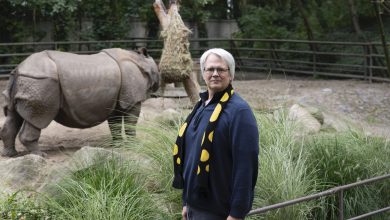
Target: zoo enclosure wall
327,59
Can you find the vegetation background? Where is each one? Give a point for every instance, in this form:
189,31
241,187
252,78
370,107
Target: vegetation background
290,166
335,20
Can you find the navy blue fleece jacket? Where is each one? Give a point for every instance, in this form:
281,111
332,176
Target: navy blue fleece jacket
234,158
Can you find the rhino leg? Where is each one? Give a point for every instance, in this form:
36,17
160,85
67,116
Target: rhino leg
29,136
8,132
115,124
131,119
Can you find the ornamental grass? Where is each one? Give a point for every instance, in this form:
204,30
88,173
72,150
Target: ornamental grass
138,186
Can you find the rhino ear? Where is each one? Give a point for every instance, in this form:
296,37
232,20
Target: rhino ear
143,51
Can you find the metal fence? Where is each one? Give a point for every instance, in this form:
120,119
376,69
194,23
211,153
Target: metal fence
356,60
339,190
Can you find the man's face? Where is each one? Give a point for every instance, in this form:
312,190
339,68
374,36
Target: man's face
216,74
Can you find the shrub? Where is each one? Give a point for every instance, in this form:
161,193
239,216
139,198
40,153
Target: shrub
108,188
23,205
347,157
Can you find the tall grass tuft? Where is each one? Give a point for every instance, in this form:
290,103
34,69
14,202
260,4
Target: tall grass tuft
282,169
108,189
153,146
289,167
347,157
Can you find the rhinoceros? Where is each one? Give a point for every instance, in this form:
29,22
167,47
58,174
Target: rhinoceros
78,91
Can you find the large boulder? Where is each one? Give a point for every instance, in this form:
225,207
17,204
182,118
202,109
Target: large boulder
316,113
33,172
25,172
87,156
306,122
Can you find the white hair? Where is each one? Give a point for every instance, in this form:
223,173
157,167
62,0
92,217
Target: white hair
224,55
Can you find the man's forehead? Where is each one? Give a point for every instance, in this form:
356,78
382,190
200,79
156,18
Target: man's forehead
215,62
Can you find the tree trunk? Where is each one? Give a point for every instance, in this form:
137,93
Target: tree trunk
309,31
191,84
355,20
310,35
383,36
320,15
34,24
386,6
161,12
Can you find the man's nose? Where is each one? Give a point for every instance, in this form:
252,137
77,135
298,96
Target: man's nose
215,73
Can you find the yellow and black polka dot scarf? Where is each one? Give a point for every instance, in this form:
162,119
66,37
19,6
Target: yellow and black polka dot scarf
206,145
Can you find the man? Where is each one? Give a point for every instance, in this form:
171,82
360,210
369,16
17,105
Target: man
216,151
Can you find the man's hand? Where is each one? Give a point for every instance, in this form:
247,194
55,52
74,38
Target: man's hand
232,218
184,213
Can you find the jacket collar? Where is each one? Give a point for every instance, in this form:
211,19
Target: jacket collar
204,96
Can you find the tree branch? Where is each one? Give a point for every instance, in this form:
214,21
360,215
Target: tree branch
161,12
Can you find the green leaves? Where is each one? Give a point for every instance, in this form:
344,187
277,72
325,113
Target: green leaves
48,7
267,22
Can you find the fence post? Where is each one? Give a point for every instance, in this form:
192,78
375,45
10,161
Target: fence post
366,61
314,64
275,57
371,61
341,204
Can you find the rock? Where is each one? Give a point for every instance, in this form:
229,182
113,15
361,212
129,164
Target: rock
316,113
25,172
306,122
81,159
333,122
88,155
34,172
327,90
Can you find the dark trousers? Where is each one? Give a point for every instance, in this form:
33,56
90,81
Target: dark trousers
197,214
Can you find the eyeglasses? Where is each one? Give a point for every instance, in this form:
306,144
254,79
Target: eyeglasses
218,69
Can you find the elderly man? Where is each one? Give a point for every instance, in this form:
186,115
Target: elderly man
216,151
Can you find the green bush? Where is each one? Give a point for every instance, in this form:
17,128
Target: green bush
153,145
283,173
22,205
348,157
111,188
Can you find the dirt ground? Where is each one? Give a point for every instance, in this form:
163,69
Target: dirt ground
360,102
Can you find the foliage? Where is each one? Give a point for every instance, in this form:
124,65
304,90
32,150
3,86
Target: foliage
22,205
287,167
283,171
109,18
107,188
282,19
265,22
154,144
13,29
319,162
60,12
344,158
256,19
139,187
